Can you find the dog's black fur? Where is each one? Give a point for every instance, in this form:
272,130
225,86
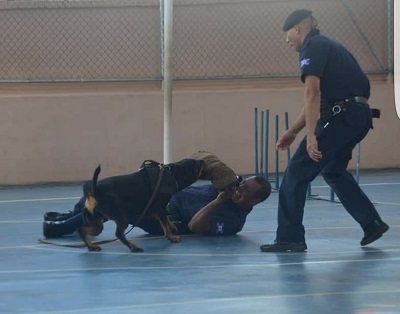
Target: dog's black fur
123,199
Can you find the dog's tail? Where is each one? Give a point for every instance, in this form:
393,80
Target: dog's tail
94,179
90,191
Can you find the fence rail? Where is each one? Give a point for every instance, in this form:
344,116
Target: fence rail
109,40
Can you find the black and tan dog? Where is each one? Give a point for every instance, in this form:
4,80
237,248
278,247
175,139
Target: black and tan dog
124,198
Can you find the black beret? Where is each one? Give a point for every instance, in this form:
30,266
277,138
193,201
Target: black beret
295,18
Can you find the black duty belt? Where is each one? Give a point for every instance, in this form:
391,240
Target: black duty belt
329,109
338,106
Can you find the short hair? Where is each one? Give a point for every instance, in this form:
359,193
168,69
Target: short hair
265,190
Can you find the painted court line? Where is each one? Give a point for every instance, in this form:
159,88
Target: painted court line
20,221
258,253
362,184
40,199
145,237
262,264
166,305
180,267
78,197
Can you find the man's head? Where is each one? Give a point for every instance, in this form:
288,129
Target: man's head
297,25
252,191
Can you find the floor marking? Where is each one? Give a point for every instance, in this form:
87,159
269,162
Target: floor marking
41,199
78,197
165,305
225,266
20,221
313,229
386,203
260,254
361,184
337,228
139,238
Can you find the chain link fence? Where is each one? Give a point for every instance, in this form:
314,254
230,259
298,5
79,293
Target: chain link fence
120,40
79,40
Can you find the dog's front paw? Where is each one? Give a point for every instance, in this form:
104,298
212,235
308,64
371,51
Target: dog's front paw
94,248
174,238
136,249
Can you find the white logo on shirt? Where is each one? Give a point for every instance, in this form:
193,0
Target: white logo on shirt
304,62
220,227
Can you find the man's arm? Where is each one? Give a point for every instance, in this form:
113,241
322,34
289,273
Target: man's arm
201,221
312,99
289,136
299,124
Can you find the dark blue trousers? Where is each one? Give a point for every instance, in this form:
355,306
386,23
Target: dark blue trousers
336,141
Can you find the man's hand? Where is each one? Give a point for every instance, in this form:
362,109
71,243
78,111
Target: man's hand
312,148
225,195
201,221
285,140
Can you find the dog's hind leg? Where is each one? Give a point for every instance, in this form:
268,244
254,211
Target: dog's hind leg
94,227
120,234
84,232
172,226
168,228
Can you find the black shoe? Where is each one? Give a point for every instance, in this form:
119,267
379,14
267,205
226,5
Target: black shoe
374,231
284,247
55,216
55,229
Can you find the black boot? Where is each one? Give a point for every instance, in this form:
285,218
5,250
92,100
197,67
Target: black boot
56,229
56,216
284,247
373,231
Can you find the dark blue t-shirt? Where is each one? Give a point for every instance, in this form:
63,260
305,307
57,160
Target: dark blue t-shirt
340,75
228,220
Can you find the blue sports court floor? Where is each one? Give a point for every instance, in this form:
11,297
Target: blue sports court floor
203,274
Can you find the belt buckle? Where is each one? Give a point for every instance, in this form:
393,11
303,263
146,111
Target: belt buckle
336,109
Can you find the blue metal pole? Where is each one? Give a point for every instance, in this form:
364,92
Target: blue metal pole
309,191
358,163
287,128
266,142
276,153
262,144
256,141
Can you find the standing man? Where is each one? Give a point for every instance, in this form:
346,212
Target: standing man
336,116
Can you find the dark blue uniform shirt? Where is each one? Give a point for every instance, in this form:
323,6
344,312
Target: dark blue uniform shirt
228,220
340,75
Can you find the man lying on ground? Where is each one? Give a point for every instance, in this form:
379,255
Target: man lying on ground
198,209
